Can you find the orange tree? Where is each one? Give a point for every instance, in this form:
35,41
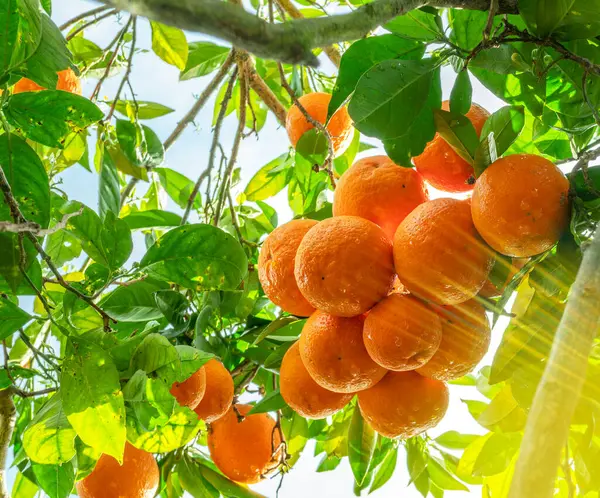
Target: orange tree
89,367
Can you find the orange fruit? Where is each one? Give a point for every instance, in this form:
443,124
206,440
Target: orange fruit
316,104
190,392
441,166
404,404
138,477
438,253
67,81
402,333
218,395
465,340
276,267
344,265
520,205
489,290
247,450
334,354
302,393
377,189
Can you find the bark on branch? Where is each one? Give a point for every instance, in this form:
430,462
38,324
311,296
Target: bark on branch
555,400
291,41
8,415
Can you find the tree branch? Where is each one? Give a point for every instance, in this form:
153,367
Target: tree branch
333,53
557,395
83,15
127,71
226,179
96,20
290,41
8,416
34,228
213,147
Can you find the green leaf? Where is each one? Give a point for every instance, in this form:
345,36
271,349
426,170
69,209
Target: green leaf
87,457
362,55
12,318
459,132
153,353
179,187
49,116
140,144
49,437
21,32
23,487
342,163
152,403
496,454
133,303
416,24
173,306
413,141
153,218
270,403
543,16
116,241
416,458
51,56
142,109
123,164
328,463
460,97
110,189
506,125
204,57
361,445
193,481
440,476
385,470
485,154
225,486
61,246
464,469
197,257
467,27
92,397
84,51
389,97
270,179
180,429
582,21
455,440
169,44
56,480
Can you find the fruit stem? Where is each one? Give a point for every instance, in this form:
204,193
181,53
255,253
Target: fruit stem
547,428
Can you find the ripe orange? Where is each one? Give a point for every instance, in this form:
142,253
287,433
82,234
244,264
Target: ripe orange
138,477
67,81
489,290
402,333
404,404
344,265
520,205
244,451
276,267
302,393
377,189
190,392
218,395
443,168
465,340
438,253
333,352
316,104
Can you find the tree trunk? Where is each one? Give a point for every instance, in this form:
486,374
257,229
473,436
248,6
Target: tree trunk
8,416
547,428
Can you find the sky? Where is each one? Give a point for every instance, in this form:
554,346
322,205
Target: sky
154,80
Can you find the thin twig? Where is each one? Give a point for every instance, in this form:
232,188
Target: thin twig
119,40
34,228
83,15
36,352
226,179
127,70
199,104
213,147
328,163
490,20
96,20
236,223
589,103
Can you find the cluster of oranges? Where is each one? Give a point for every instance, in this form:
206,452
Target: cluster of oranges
67,81
391,282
